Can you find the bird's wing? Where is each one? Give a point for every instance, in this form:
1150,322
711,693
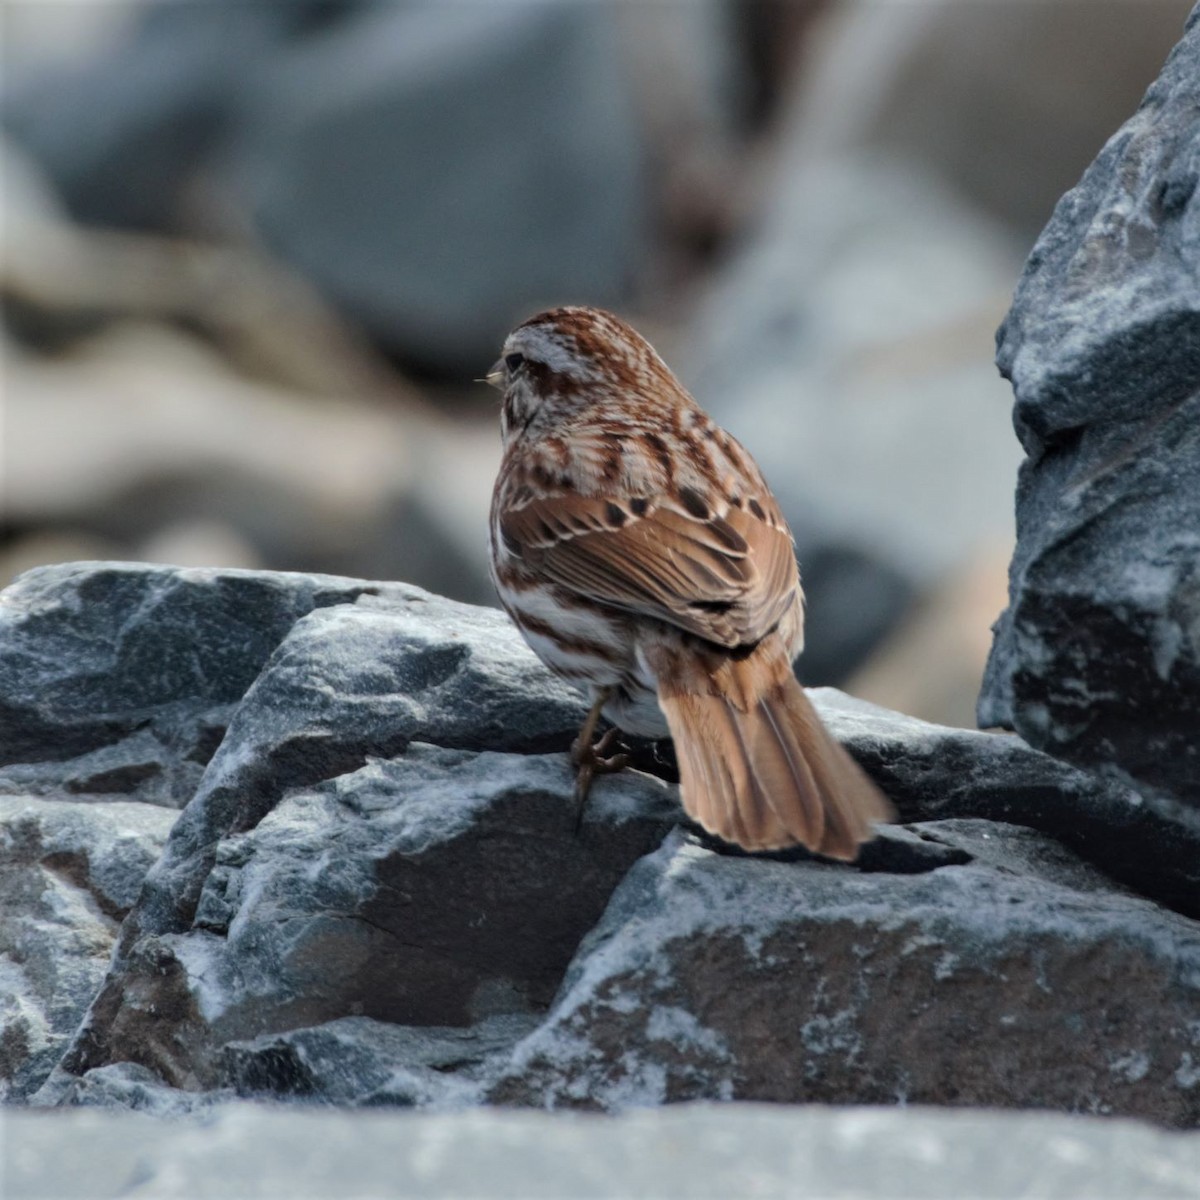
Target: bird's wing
727,575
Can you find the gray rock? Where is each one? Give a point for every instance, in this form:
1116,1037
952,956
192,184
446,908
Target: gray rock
932,773
437,889
69,872
359,1061
132,1087
120,679
1097,658
1018,979
698,1150
442,171
352,682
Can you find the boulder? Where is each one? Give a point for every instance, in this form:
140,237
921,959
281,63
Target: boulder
120,680
1020,977
1097,658
441,888
361,1062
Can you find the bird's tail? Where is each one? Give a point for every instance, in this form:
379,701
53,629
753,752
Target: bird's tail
757,766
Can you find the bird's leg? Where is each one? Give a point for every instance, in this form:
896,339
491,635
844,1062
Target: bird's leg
590,759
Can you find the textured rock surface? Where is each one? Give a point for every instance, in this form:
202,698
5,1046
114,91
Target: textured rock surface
358,1061
69,872
376,888
1097,658
442,888
934,773
1018,978
694,1150
120,680
134,1087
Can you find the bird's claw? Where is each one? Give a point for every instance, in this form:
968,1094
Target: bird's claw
593,760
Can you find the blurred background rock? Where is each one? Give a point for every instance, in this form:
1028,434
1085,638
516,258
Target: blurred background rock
254,255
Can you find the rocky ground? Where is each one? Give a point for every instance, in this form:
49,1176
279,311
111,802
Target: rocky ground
374,894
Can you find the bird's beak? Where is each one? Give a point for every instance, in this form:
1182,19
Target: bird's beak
496,374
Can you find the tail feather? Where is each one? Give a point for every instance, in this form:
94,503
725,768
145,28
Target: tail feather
755,818
757,766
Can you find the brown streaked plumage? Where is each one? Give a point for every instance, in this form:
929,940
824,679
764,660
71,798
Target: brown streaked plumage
642,555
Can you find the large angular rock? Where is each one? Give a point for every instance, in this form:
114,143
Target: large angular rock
1020,978
442,888
69,872
1097,658
119,680
935,773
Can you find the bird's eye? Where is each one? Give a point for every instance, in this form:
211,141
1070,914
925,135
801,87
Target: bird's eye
514,360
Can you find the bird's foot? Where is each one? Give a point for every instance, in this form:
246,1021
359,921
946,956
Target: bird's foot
593,760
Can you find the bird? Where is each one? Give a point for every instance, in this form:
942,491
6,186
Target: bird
641,554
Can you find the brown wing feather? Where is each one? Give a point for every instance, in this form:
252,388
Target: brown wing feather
728,577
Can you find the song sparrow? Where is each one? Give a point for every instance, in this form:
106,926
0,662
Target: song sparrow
641,554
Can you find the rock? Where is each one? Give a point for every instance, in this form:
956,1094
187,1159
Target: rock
358,1061
441,172
377,884
935,773
69,872
1021,978
368,681
1097,658
766,1150
861,381
120,679
416,891
135,1088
